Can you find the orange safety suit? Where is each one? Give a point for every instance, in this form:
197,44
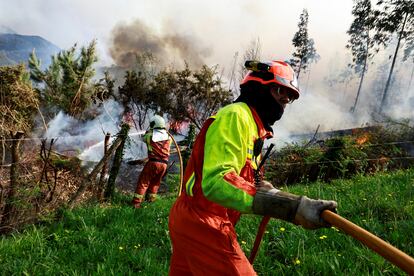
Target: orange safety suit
219,186
150,178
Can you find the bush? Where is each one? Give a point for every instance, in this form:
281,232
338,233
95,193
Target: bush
365,151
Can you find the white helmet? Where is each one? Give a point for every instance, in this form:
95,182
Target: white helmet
157,122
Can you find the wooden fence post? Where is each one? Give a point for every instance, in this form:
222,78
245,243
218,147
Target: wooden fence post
110,187
3,150
90,179
101,185
14,182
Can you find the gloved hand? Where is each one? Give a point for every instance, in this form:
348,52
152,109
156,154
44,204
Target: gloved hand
309,212
293,208
266,186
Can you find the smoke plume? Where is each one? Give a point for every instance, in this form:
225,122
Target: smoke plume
85,139
130,40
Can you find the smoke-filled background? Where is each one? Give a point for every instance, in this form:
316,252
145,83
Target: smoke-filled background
170,46
214,33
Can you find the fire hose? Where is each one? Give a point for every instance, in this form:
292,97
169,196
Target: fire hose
384,249
181,162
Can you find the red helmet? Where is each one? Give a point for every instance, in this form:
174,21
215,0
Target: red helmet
274,72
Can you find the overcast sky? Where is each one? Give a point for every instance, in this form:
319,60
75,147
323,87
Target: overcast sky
220,27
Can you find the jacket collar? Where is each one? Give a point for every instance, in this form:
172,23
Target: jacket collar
263,133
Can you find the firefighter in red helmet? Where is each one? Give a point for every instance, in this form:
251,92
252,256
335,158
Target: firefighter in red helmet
219,178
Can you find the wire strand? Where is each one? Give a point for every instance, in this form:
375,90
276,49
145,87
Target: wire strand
353,160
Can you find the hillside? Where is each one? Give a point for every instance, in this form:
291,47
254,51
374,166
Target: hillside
116,239
16,48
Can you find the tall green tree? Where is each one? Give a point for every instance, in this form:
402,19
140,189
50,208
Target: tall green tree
67,83
395,18
360,41
305,52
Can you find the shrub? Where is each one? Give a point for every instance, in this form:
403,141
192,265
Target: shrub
365,151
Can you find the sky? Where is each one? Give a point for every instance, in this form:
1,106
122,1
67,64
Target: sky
217,28
211,32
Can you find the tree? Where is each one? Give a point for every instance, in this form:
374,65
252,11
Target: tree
305,52
395,18
408,55
18,100
67,83
189,96
253,52
360,42
134,96
104,89
232,79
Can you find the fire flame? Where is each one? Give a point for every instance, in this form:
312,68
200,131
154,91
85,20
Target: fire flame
362,139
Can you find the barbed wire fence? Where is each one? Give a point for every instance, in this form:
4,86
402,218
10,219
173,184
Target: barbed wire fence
30,178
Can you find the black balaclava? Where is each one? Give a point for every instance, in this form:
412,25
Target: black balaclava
258,96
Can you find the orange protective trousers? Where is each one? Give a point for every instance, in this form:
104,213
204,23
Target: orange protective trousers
204,244
150,177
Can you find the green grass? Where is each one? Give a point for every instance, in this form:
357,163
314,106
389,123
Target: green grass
118,240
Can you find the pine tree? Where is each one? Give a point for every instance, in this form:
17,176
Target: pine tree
395,18
305,52
67,82
360,42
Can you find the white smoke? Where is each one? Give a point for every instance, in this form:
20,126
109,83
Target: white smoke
135,149
316,111
64,126
86,139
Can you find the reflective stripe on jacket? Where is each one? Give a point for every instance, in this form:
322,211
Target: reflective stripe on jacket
219,177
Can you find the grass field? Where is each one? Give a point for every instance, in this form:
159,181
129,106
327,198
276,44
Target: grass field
118,240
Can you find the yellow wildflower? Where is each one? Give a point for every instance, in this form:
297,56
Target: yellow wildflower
297,262
282,229
121,248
